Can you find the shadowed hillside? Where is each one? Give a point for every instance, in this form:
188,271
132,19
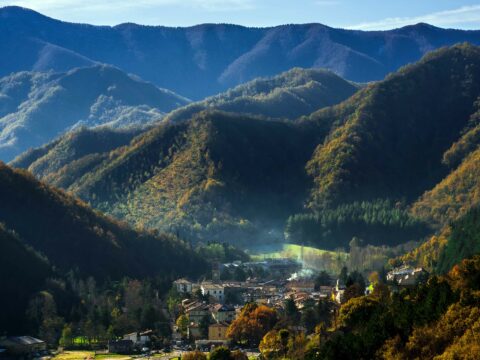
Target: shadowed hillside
73,236
19,264
350,170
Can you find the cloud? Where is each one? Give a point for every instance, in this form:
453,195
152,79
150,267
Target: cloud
87,5
462,15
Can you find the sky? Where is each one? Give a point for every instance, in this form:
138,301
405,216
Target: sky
351,14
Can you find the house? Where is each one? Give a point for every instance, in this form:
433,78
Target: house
194,332
183,286
301,286
406,276
139,339
197,311
325,290
214,290
120,346
23,345
223,313
218,331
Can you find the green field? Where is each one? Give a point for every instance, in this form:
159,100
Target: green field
75,355
83,355
316,259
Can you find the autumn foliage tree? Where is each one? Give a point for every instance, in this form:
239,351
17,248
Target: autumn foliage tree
252,324
283,344
194,355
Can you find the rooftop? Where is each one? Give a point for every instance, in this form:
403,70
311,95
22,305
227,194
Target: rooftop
25,340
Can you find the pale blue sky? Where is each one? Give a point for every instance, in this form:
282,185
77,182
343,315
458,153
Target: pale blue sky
357,14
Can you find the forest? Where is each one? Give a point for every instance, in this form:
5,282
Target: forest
139,187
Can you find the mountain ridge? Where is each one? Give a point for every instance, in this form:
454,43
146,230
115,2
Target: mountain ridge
35,107
357,159
205,59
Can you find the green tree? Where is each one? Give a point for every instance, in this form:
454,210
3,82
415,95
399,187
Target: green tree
67,339
323,279
203,326
220,353
182,324
291,310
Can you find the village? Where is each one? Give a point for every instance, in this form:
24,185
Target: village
205,310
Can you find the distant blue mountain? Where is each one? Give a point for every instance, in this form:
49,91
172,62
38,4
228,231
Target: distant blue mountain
206,59
36,107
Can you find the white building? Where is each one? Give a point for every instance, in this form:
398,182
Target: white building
215,290
139,338
406,276
183,286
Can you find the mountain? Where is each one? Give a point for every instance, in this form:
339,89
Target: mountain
64,160
350,170
457,193
37,107
217,176
374,150
288,95
380,151
74,237
19,264
206,59
50,240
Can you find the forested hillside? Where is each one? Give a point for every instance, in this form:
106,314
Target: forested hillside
37,107
19,264
217,176
74,237
374,151
206,59
289,95
456,241
66,159
355,166
459,191
435,320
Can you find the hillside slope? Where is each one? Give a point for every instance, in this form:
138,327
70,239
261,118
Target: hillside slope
18,265
37,107
351,170
460,190
288,95
66,159
206,59
217,176
73,236
374,150
389,146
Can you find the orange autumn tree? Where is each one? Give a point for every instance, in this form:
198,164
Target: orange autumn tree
252,324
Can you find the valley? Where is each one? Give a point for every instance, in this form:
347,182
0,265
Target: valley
227,192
